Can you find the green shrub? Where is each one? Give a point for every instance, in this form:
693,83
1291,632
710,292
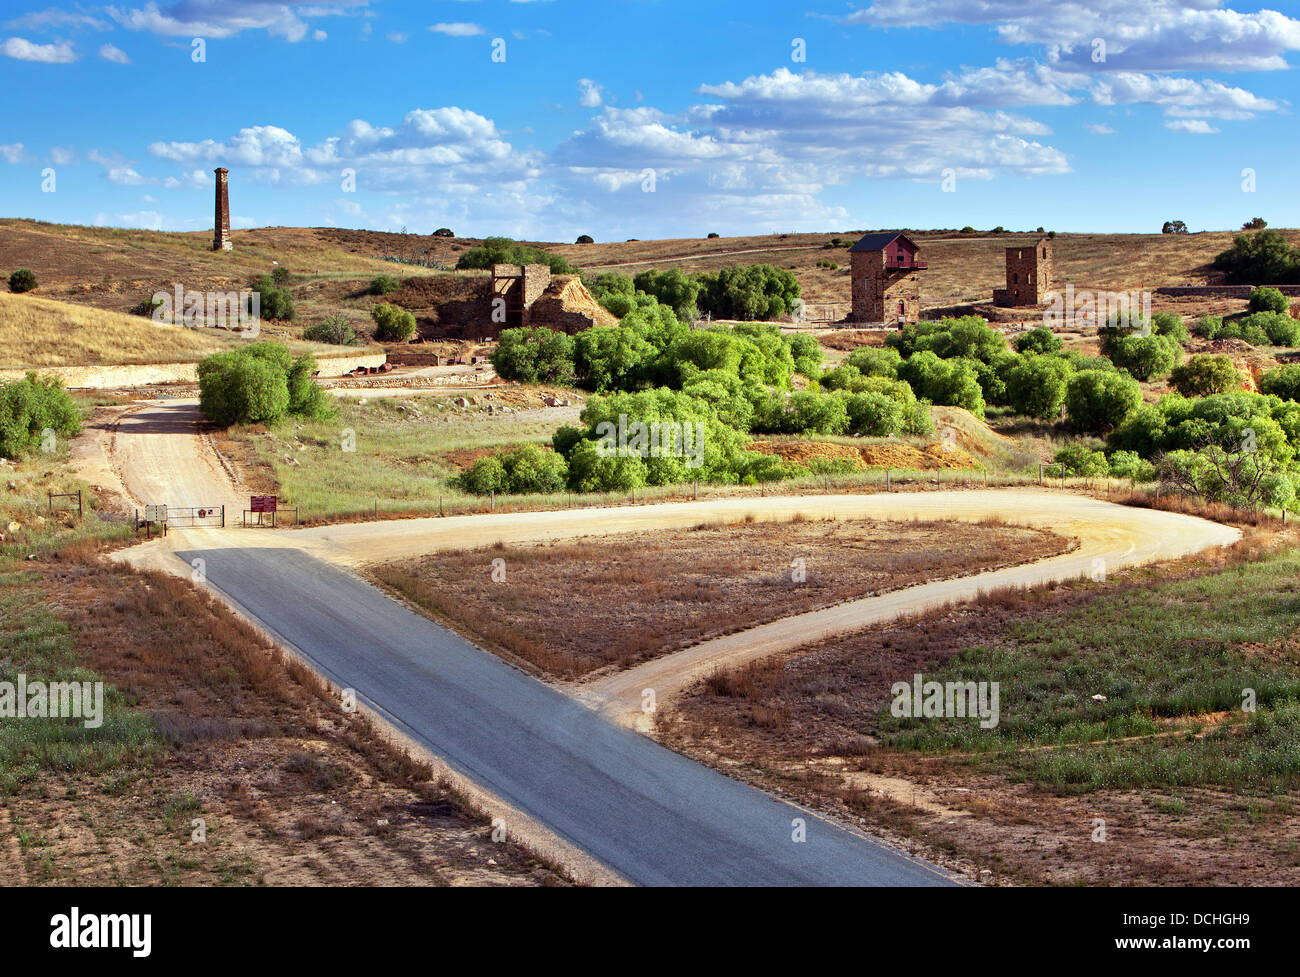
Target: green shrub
534,355
610,357
967,336
1263,257
334,330
807,354
504,251
1265,299
1147,357
1208,326
1170,324
672,288
392,323
948,382
526,470
259,384
1278,327
1080,461
1036,386
1128,464
1098,401
31,406
585,239
307,398
1205,374
1038,340
875,415
875,362
23,280
274,302
281,276
383,285
1282,382
748,293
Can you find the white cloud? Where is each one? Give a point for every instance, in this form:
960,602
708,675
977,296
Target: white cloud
1101,129
115,54
60,156
590,95
12,152
1181,96
24,50
226,18
1154,35
1195,126
53,19
457,29
397,38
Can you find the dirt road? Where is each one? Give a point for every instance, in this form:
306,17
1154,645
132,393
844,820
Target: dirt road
161,458
648,814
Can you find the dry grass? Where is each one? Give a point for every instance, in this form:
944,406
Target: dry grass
292,790
38,332
568,609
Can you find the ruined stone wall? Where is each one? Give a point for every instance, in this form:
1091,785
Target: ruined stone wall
1029,275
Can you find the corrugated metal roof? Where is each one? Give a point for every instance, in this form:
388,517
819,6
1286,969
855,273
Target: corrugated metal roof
878,242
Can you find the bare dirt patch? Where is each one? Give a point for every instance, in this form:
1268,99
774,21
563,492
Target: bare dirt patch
570,609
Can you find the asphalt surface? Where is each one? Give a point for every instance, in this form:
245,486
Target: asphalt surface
649,814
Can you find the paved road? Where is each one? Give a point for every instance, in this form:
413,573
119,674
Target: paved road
651,815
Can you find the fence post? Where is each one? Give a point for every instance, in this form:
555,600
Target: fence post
1040,473
696,496
440,506
889,482
80,511
494,500
223,515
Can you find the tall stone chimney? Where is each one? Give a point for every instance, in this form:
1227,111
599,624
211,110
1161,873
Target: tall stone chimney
221,225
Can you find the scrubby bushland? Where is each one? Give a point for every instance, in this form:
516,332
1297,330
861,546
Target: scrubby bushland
748,292
672,288
31,406
1265,257
968,336
629,440
1099,401
259,383
952,383
504,251
392,323
1205,374
1282,382
23,280
334,329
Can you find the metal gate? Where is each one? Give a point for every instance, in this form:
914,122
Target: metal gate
199,515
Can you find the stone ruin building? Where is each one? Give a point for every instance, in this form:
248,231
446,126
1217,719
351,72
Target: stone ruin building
1029,275
884,288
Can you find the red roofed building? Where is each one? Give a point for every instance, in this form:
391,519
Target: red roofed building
884,287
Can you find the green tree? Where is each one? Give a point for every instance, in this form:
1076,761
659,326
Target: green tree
383,285
504,251
1147,357
393,324
1036,387
1265,299
31,406
1099,401
1263,257
1205,374
1282,382
1038,340
23,280
534,355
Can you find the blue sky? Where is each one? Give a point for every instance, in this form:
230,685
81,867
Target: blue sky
651,118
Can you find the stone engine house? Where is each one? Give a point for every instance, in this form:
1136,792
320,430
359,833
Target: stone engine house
884,286
1029,275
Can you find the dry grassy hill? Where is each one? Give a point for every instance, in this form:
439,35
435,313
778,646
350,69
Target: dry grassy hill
114,269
